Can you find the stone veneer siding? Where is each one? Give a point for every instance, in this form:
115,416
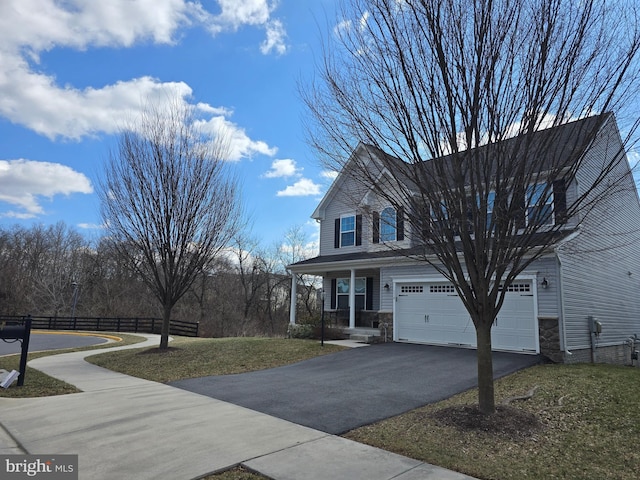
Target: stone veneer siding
549,333
616,354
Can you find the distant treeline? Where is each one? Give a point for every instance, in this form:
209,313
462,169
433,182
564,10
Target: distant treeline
56,271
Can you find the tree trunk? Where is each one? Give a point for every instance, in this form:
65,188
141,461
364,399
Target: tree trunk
164,334
486,399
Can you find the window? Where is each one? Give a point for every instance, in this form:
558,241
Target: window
517,287
388,225
348,231
342,292
539,205
411,289
442,289
491,198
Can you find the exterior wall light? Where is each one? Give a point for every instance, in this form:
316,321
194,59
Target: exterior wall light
545,283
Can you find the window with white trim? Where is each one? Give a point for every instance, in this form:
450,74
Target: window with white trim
343,290
347,230
539,203
388,225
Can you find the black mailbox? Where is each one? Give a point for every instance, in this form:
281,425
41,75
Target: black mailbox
13,332
22,333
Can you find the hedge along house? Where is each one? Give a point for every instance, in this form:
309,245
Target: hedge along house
577,301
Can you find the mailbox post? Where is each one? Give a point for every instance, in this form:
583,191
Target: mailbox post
20,333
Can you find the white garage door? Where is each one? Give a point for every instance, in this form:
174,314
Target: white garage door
428,312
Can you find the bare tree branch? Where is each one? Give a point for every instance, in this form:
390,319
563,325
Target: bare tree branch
169,201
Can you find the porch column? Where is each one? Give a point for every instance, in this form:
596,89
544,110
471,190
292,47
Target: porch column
352,299
294,296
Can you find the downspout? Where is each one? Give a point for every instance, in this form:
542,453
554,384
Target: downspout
561,324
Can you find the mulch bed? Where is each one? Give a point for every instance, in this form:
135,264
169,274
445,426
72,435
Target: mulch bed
506,421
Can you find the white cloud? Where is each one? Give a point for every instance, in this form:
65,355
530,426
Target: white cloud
283,168
276,39
34,99
329,174
92,226
302,188
235,13
239,143
22,182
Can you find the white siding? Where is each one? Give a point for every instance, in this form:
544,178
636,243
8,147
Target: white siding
601,266
346,201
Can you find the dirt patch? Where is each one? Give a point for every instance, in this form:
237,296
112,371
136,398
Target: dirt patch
506,421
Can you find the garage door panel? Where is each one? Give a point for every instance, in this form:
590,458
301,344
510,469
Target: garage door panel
515,326
430,312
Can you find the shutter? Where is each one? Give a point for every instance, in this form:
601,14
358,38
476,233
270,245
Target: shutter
400,223
333,293
336,234
560,201
368,304
519,207
358,230
376,227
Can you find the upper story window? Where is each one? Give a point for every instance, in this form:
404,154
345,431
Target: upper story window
348,231
539,205
388,225
491,198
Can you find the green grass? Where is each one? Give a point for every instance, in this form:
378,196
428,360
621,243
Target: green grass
38,384
198,357
591,428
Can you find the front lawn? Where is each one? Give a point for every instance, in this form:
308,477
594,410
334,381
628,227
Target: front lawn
199,357
589,428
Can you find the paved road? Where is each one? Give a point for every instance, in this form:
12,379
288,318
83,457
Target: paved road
338,392
48,341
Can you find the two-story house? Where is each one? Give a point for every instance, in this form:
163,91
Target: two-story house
577,302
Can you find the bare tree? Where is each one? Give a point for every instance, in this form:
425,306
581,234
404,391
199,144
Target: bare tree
295,247
168,201
455,95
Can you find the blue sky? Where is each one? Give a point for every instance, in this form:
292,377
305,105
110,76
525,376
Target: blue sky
72,72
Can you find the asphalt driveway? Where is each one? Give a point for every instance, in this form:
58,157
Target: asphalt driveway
339,392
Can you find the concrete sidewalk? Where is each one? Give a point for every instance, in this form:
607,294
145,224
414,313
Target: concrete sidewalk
125,427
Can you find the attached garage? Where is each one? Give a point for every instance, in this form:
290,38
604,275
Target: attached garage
432,312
